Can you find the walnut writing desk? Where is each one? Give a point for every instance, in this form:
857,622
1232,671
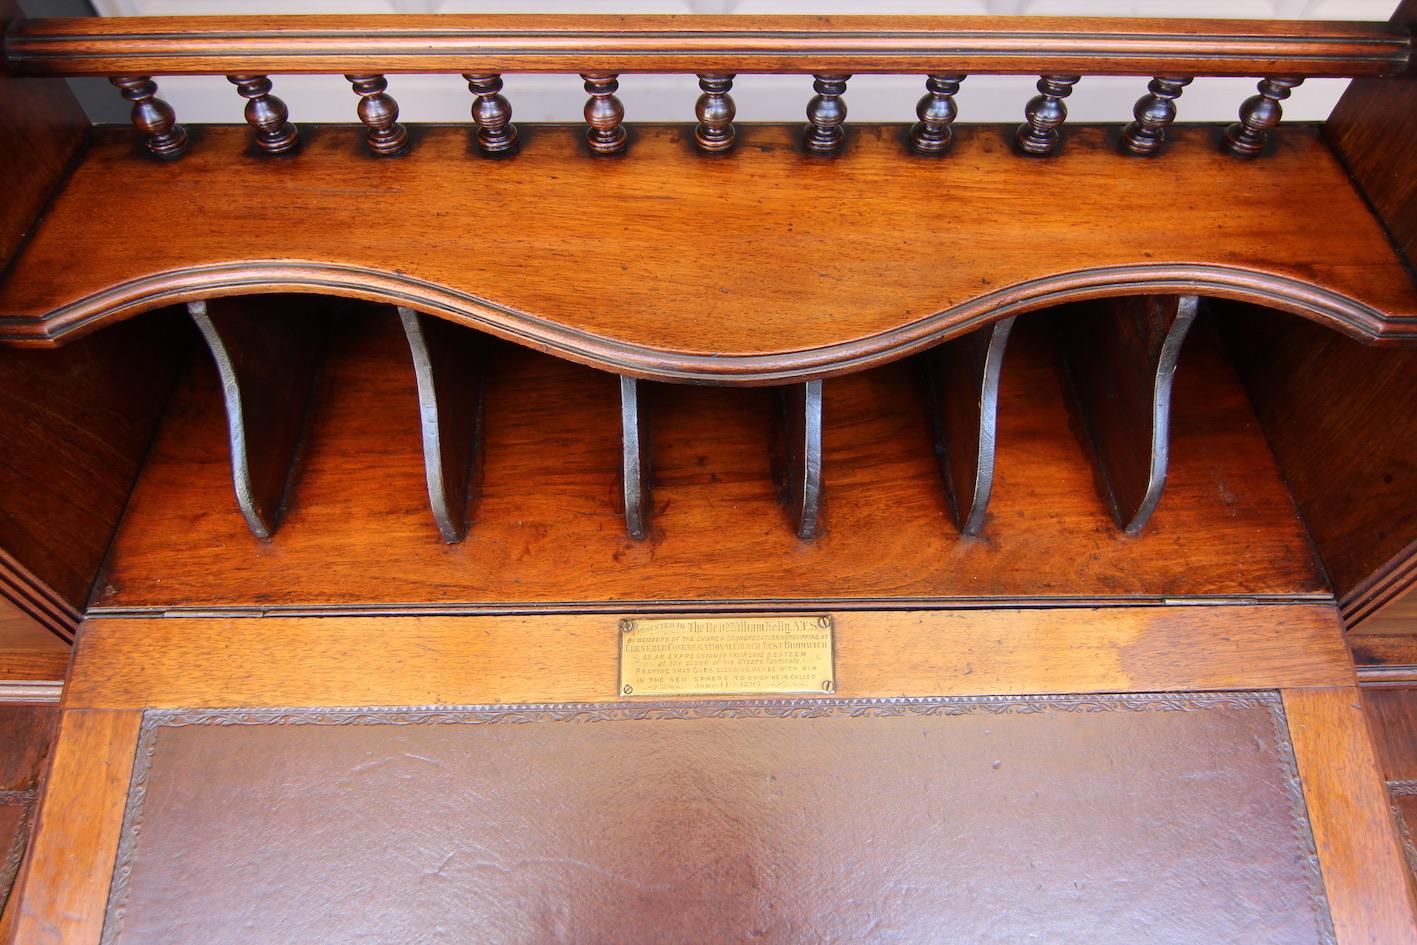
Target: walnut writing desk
402,488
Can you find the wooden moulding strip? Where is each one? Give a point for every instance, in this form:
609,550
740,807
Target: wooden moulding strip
1024,45
130,663
1366,879
65,889
1387,584
33,597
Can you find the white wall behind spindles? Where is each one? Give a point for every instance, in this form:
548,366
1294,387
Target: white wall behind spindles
444,98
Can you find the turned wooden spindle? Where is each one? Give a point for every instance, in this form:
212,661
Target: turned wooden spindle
380,113
605,114
715,111
266,114
1154,113
1038,135
165,138
932,134
1258,115
826,112
492,114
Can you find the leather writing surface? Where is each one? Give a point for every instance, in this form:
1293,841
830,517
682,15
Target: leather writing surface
1137,819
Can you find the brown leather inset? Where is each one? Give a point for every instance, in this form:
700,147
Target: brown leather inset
1126,819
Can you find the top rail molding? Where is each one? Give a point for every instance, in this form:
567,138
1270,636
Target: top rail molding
704,44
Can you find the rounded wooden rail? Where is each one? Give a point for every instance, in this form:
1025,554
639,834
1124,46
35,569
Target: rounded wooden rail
703,44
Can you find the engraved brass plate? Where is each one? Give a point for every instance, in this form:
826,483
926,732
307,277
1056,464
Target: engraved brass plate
699,656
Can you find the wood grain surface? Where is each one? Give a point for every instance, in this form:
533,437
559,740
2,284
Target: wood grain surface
1392,717
339,661
750,267
75,426
704,44
1374,130
548,532
71,857
1342,421
1369,889
44,131
29,651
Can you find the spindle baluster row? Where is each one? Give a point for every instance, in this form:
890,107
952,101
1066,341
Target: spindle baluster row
1038,136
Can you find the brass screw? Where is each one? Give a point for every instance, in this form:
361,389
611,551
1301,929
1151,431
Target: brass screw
824,622
628,689
826,685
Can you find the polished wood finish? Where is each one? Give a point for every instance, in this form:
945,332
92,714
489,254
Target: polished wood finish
1373,131
492,114
1365,877
267,357
1153,114
715,110
1392,717
962,378
357,535
936,110
1398,616
621,44
266,114
826,113
448,365
1038,136
76,425
28,650
1258,116
732,285
635,462
1385,659
1342,420
66,888
131,663
1122,358
380,114
153,117
605,115
45,129
26,733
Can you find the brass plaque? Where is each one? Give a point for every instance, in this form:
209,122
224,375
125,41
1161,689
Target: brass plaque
697,656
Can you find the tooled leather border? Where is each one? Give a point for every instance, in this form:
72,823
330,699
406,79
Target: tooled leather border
154,720
1396,789
10,859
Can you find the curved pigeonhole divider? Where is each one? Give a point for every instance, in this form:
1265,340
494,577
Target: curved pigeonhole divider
1119,359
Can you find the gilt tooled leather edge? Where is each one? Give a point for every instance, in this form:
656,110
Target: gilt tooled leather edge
154,720
10,862
1395,790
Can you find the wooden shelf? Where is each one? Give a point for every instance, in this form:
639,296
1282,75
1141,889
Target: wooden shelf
546,531
751,267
